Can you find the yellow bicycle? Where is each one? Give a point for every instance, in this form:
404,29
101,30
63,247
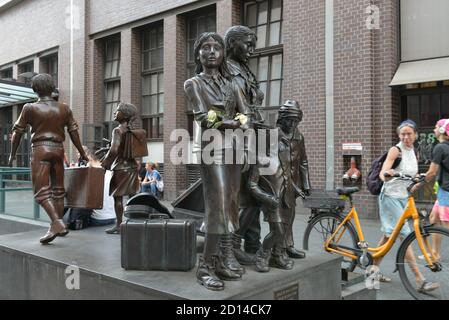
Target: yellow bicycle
427,262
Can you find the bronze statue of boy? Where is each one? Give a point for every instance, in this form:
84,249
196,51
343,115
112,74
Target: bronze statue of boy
48,120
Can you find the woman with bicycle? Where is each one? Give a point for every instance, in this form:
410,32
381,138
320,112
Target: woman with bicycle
394,195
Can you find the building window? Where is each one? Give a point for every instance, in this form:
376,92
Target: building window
268,69
153,82
26,71
6,74
112,99
196,25
50,66
265,18
111,81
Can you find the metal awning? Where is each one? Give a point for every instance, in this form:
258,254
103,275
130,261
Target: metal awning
13,93
421,71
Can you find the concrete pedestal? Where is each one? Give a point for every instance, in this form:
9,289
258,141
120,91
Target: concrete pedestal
29,270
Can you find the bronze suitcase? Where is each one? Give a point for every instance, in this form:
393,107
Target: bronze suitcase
84,187
158,244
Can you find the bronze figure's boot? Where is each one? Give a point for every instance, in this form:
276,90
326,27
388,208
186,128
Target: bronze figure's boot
224,273
279,260
59,205
206,277
262,257
242,257
227,255
294,253
56,228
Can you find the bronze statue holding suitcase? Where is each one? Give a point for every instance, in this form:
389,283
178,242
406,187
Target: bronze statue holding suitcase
48,120
119,159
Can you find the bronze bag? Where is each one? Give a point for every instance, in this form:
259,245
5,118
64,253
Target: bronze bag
84,187
135,144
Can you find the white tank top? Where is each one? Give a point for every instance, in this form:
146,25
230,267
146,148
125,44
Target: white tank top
409,165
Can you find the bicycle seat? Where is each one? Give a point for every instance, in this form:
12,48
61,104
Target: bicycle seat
347,191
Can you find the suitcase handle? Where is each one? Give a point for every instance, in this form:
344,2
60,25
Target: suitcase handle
154,216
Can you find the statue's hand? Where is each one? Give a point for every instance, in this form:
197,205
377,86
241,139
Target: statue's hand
83,159
273,202
307,192
11,161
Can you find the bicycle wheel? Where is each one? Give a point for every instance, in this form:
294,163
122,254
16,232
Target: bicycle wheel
411,268
321,228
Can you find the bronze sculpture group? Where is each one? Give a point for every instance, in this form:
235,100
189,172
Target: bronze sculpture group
225,95
227,87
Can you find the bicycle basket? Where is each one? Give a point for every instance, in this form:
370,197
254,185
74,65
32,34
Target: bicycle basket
324,200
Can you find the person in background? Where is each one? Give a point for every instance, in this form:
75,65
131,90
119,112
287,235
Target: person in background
149,184
141,169
105,216
439,168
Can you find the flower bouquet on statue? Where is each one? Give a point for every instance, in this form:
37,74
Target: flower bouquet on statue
243,120
214,119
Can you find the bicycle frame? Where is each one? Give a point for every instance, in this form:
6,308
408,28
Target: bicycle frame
378,252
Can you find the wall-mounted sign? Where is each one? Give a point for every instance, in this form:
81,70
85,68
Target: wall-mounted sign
354,146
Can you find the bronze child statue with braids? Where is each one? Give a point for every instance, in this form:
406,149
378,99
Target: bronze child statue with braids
125,178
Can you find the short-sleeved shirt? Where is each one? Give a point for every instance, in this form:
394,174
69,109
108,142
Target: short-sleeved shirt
47,120
440,156
154,175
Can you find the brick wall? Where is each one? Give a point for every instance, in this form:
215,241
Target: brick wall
113,13
365,107
304,76
174,116
228,15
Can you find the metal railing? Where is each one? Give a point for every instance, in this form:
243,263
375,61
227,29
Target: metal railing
9,175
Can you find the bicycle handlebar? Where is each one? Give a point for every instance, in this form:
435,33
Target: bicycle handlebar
401,176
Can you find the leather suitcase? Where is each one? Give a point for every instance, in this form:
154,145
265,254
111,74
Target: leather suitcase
158,244
84,187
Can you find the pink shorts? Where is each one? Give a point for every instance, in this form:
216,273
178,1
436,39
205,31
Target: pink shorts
443,212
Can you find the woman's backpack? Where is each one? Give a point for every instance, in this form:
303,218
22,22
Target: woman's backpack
373,181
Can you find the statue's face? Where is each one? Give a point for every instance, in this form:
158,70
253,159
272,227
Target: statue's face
211,54
119,116
289,124
244,48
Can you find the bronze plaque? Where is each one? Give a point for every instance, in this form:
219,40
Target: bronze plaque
289,293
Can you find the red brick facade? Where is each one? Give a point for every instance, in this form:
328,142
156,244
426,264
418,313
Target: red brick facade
366,109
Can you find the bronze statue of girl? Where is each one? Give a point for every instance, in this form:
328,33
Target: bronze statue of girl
216,104
125,178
